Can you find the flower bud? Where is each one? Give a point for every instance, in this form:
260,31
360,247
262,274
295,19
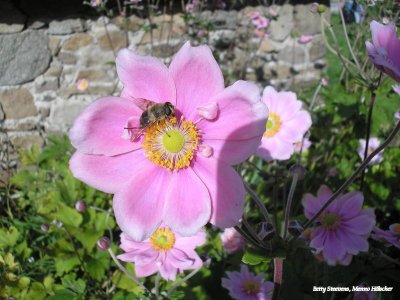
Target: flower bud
297,169
321,9
103,243
265,231
295,228
44,227
324,81
80,206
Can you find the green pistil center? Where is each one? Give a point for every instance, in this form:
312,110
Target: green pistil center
173,141
330,221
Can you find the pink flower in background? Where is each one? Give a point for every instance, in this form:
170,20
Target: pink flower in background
391,237
244,285
305,39
372,145
344,226
272,12
232,241
179,171
306,144
165,252
287,123
82,84
384,49
96,3
324,81
259,21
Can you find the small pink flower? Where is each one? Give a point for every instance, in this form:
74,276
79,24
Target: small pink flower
397,115
244,285
165,252
324,81
82,84
232,241
314,7
305,39
391,237
168,159
287,123
299,147
384,49
332,172
272,12
261,22
344,226
372,145
254,15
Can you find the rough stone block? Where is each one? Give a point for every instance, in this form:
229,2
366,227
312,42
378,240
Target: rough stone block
18,103
77,41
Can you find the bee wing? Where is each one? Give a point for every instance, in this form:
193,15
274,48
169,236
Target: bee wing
143,104
132,130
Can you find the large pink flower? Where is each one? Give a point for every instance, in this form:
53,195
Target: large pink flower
287,124
179,172
384,49
165,252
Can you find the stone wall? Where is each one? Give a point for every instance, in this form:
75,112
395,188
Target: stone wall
42,61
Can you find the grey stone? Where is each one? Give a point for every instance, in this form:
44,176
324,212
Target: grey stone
280,29
25,140
63,114
318,48
36,24
306,22
223,19
2,116
77,41
24,56
293,54
17,104
47,85
114,40
66,26
67,58
11,19
222,39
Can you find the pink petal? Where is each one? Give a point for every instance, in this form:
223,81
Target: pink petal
187,204
144,77
147,270
242,115
362,224
208,111
311,205
190,242
226,190
179,259
105,173
323,194
138,207
168,271
275,148
129,245
382,35
351,204
333,248
318,238
146,257
197,78
353,243
293,130
98,129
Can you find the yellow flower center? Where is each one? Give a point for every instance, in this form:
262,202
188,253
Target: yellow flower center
273,125
251,287
171,144
162,239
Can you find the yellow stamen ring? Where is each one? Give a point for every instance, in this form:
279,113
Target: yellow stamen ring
162,239
171,144
251,287
273,125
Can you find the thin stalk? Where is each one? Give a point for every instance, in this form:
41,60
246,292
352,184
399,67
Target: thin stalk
368,131
347,40
349,181
259,203
127,273
83,266
157,286
278,271
179,282
289,204
248,237
317,90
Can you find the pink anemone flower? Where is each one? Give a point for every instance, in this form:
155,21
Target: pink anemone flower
165,252
244,285
342,229
372,145
287,123
391,237
384,49
179,171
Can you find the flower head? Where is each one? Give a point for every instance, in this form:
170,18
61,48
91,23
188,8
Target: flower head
244,285
372,145
384,49
287,123
343,228
165,251
305,39
391,237
82,84
178,171
232,241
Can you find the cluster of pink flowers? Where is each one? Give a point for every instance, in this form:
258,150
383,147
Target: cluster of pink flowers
343,228
244,285
260,22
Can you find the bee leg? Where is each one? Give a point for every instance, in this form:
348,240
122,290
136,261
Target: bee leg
158,123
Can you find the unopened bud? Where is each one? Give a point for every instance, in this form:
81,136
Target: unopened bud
80,206
265,231
103,243
57,223
324,81
45,227
297,170
321,9
295,228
